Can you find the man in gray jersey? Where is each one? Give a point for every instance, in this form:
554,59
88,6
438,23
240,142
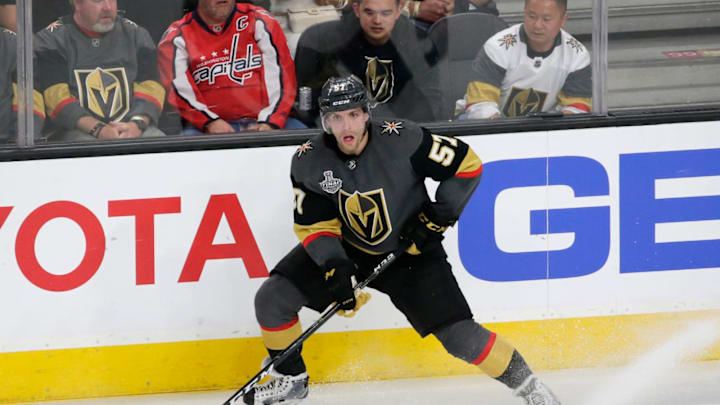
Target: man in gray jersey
8,91
99,75
359,189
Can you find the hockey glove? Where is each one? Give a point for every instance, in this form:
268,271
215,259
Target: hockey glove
361,298
338,282
424,230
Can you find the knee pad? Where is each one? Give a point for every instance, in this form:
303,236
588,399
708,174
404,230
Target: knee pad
464,339
471,342
277,301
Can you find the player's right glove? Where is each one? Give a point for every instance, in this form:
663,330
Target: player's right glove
339,283
424,230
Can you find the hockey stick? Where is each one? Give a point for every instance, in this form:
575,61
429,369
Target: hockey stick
381,267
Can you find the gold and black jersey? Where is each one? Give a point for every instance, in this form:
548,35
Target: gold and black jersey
399,75
9,90
111,77
365,200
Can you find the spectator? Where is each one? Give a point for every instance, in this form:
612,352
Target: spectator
44,12
381,47
8,90
228,69
155,18
98,75
191,5
530,68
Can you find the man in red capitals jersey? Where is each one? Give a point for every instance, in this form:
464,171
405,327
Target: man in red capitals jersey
228,69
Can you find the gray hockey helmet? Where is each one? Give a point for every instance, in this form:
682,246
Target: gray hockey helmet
343,93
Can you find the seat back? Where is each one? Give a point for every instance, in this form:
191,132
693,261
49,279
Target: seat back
459,38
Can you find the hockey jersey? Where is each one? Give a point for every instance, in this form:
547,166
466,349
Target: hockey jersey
111,76
367,199
9,89
399,75
513,80
240,69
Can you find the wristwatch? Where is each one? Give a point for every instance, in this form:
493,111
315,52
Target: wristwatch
140,122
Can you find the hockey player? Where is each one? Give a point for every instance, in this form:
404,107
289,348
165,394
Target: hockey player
228,69
359,188
530,68
98,74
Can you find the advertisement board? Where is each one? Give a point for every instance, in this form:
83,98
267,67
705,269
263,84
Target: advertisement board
172,247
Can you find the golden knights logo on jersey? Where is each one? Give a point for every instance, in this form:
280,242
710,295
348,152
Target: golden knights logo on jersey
104,92
521,102
366,214
379,80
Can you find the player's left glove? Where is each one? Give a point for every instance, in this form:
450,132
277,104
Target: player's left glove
339,284
424,229
361,298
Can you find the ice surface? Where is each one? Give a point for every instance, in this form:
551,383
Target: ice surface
695,383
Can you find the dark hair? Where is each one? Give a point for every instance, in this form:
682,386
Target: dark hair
562,4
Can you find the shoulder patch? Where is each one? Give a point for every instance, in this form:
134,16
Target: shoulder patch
507,41
304,148
129,22
575,44
54,26
391,127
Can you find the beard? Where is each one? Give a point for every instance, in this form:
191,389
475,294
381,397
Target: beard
103,28
219,13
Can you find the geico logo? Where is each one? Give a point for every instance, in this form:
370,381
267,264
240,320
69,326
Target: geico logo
656,230
243,64
144,212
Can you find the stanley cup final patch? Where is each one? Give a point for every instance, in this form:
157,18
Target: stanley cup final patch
330,185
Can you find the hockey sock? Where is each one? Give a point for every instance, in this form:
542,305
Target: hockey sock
495,356
293,364
476,345
516,372
277,304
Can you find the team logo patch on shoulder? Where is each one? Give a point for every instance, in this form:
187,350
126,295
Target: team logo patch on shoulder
575,44
507,41
54,25
392,127
330,185
304,148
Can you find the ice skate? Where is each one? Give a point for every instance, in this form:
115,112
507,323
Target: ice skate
280,389
534,392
